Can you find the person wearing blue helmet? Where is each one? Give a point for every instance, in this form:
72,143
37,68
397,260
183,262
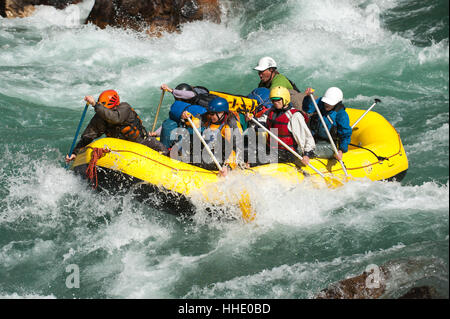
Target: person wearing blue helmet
222,128
184,105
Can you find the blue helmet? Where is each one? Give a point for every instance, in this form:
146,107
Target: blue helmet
219,104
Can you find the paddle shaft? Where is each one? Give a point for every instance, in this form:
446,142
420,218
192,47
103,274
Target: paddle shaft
205,144
328,132
78,130
286,146
157,111
244,201
362,116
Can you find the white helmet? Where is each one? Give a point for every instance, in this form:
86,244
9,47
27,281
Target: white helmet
265,63
333,96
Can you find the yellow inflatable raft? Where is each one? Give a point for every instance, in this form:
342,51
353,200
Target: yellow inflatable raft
376,153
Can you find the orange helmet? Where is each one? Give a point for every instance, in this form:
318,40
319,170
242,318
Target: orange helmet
109,99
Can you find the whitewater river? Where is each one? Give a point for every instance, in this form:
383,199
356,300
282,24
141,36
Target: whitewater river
304,239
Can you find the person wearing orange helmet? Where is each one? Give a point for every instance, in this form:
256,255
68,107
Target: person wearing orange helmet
114,119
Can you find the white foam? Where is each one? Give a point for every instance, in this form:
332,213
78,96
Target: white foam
25,296
152,276
72,16
37,190
358,204
321,43
14,253
299,280
427,141
437,52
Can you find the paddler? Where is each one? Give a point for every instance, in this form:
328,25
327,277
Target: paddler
184,104
222,129
270,77
291,126
114,119
336,119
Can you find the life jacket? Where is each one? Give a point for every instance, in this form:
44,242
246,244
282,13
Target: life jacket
262,110
262,96
229,119
280,121
213,133
315,123
134,129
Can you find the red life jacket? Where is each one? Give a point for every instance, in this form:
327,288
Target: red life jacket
281,123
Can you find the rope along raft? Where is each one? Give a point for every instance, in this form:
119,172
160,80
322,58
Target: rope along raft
91,171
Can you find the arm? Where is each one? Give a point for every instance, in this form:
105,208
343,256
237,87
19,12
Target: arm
116,115
302,134
178,94
344,130
308,105
95,129
183,95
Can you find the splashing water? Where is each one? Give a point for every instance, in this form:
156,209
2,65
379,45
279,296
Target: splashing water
303,238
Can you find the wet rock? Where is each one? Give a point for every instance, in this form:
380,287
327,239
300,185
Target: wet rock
424,292
369,285
391,281
153,17
24,8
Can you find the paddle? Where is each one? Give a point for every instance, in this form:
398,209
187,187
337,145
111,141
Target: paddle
77,132
205,144
244,201
362,116
157,111
328,133
287,147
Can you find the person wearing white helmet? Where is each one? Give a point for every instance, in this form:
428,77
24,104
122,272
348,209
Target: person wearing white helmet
270,78
336,119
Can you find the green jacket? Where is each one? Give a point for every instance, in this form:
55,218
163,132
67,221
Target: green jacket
279,80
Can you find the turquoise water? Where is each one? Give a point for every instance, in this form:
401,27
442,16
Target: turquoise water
303,239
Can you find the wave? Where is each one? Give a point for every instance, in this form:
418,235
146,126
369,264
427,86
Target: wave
319,44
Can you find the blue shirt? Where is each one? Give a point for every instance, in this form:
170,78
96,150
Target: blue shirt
339,119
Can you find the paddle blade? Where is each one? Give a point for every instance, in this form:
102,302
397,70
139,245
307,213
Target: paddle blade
245,205
334,181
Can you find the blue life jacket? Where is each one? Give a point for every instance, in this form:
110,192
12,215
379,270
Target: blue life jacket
262,95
